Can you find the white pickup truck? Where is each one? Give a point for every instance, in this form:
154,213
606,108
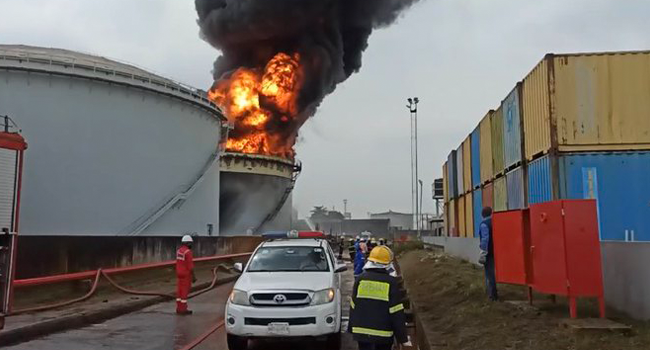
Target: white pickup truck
290,289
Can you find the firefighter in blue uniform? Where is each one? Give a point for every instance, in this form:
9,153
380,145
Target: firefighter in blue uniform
359,258
377,317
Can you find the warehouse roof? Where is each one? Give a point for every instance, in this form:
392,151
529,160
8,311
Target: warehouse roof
73,63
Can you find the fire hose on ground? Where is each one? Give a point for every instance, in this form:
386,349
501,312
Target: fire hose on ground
196,342
96,275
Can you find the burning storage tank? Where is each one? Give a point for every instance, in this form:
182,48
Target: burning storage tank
277,62
256,193
114,149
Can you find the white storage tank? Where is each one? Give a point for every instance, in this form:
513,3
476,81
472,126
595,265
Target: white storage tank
114,149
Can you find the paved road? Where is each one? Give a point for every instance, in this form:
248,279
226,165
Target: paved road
159,328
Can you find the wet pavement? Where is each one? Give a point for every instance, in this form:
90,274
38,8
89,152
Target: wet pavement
159,328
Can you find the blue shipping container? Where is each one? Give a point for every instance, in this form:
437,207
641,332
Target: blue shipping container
619,182
540,188
451,175
512,128
515,189
460,188
476,158
478,208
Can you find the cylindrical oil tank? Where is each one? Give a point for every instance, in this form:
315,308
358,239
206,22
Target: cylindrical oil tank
114,149
256,193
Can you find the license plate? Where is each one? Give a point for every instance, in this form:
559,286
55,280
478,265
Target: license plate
279,328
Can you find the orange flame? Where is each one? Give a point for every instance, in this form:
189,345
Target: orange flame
259,103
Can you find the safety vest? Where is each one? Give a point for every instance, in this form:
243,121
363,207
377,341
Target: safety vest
376,309
184,261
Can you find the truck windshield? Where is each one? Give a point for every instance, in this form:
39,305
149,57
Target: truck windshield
289,259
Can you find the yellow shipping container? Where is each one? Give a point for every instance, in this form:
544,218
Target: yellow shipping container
486,148
467,164
445,180
500,194
461,216
445,218
588,102
498,160
452,219
469,215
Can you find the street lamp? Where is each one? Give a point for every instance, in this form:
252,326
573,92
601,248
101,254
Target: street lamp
415,203
420,216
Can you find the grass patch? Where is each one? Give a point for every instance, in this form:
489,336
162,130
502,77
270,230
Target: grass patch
452,303
400,248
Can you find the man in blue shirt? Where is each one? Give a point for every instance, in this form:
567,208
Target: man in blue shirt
486,257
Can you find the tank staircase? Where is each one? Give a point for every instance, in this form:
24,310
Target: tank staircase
297,168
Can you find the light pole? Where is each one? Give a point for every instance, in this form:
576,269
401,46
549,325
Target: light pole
413,109
420,216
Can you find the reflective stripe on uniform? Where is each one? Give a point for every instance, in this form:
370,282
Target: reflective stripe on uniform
183,301
352,303
372,332
373,290
396,308
180,256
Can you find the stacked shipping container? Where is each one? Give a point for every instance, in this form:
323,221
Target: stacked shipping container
578,126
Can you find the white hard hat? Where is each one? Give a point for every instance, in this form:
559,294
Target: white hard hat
187,239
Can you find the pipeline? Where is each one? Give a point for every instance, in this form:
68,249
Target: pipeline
64,303
106,274
78,276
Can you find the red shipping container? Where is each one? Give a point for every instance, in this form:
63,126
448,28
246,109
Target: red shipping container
488,196
565,250
511,240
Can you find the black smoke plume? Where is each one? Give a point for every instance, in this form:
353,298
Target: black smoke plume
329,35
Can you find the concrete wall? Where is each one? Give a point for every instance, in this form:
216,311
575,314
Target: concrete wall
49,255
625,271
465,248
398,220
104,157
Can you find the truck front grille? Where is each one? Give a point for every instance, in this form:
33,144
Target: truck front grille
280,299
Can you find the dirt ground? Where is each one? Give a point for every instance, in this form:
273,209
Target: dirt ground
450,299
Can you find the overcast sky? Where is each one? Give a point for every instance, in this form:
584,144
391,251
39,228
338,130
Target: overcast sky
461,57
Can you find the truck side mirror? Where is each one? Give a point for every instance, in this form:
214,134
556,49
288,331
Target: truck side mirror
239,267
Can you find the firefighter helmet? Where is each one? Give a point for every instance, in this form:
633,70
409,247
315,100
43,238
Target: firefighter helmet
381,255
187,239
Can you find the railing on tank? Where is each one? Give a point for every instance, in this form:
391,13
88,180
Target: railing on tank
7,124
99,68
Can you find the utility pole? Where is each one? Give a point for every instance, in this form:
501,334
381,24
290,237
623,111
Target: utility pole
415,202
420,217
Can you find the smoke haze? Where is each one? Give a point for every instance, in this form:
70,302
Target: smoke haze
329,35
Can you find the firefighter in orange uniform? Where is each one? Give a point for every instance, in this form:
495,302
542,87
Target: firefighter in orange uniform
184,274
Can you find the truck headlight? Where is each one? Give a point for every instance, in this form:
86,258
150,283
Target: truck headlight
239,297
323,297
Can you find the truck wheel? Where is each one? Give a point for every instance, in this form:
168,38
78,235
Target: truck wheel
334,341
236,343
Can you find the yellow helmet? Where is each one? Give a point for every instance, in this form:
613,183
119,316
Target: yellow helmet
381,255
